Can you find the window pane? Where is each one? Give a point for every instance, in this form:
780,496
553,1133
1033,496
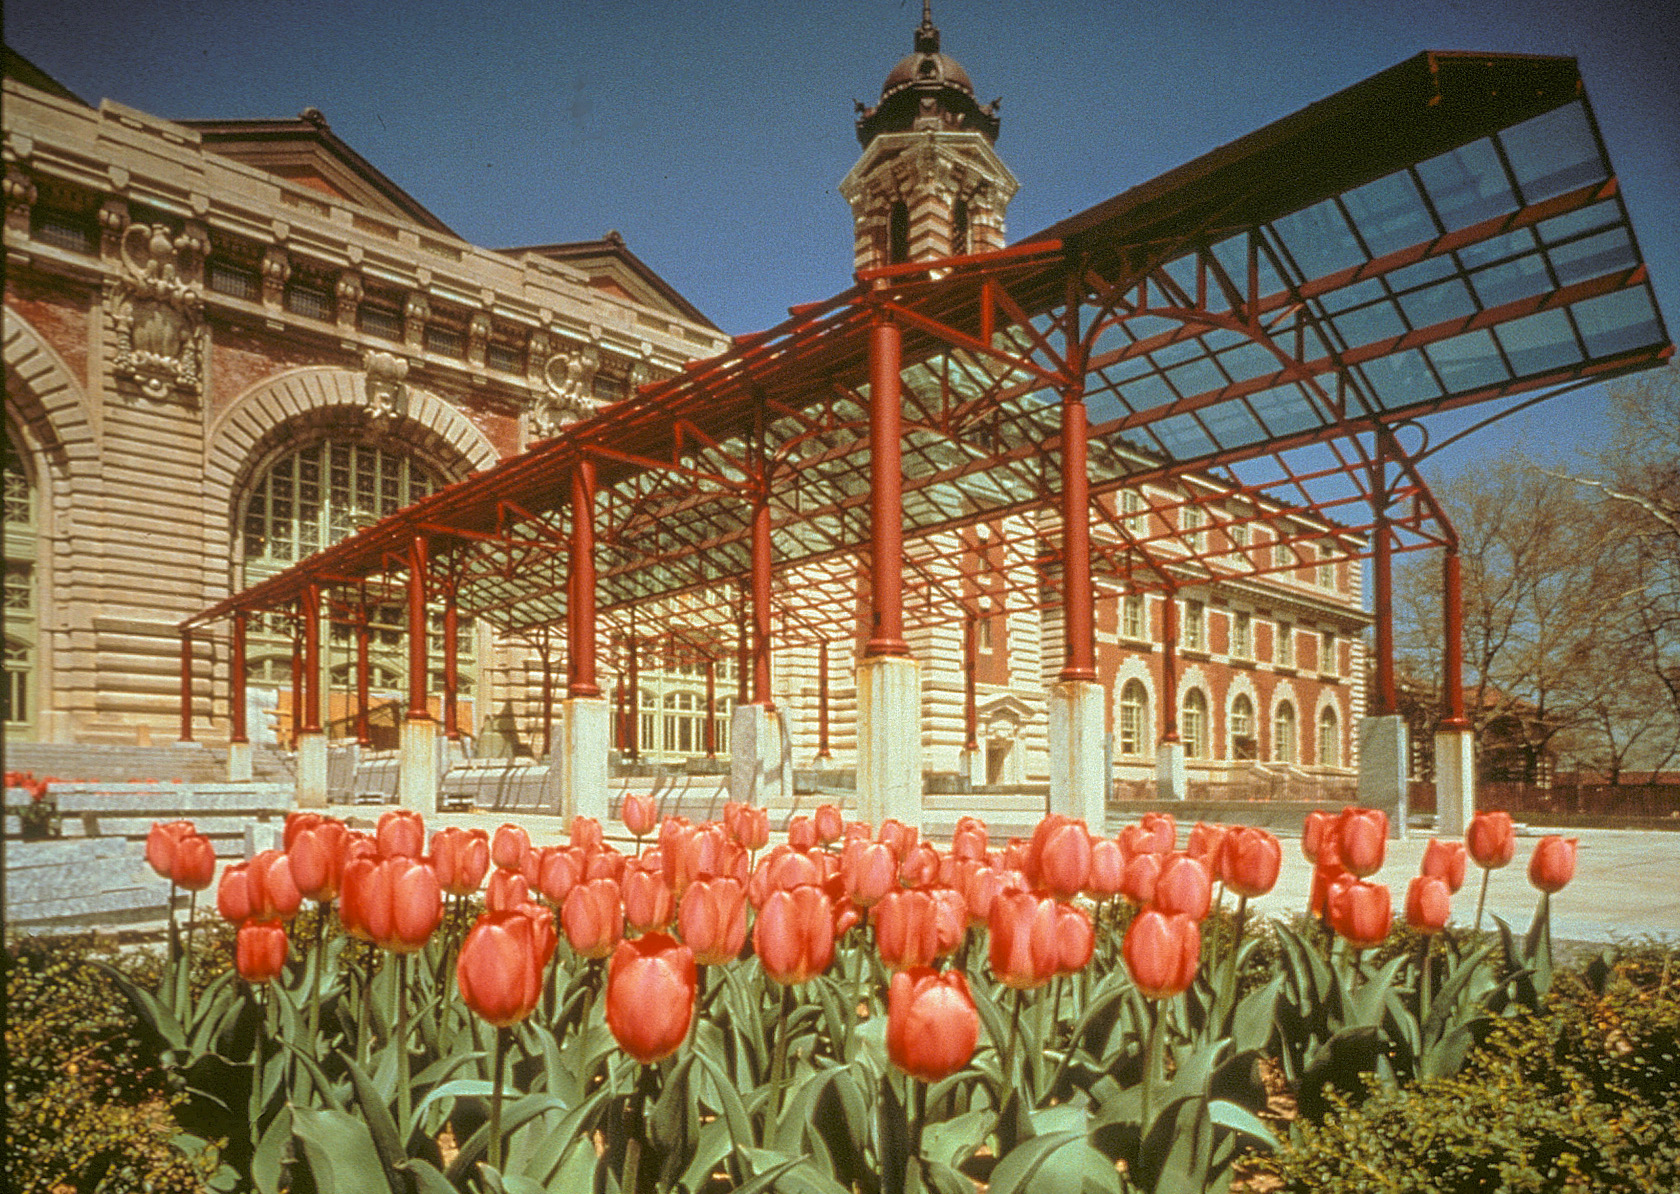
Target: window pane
1553,153
1467,185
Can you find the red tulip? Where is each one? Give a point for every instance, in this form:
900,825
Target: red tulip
160,843
296,822
649,902
982,888
1553,863
650,996
1362,913
397,902
1025,951
712,919
1076,939
950,919
603,863
1315,830
1205,841
802,833
317,852
1249,861
560,872
907,928
1137,881
969,840
1163,832
782,869
920,866
870,871
639,814
1327,877
698,853
828,822
1060,857
194,865
593,917
794,935
746,824
1492,839
1162,952
461,858
898,836
507,891
259,950
500,970
1428,904
261,889
932,1024
509,847
586,833
1361,839
401,833
1445,860
1183,886
1107,867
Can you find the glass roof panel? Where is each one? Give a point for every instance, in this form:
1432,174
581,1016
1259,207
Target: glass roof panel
1319,240
1468,362
1617,322
1497,248
1232,425
1587,219
1197,377
1173,354
1594,256
1182,437
1344,297
1147,392
1400,379
1390,214
1537,343
1380,321
1247,360
1553,153
1446,300
1519,279
1285,410
1232,254
1467,185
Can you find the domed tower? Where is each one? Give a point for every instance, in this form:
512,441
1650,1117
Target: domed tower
929,183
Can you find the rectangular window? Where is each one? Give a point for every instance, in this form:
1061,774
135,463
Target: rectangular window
1283,556
1239,535
1327,662
983,634
381,321
234,281
1195,635
1133,519
1131,616
309,302
446,342
1193,520
1285,645
61,230
1326,570
1242,637
504,359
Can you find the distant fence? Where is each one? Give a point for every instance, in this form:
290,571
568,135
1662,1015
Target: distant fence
1250,787
1604,800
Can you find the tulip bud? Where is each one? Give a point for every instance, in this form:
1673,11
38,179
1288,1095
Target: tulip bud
1183,886
1553,863
586,833
870,871
1163,829
932,1023
1137,881
194,865
507,891
1428,904
828,823
1362,913
794,935
401,833
1076,939
649,902
1315,829
593,917
907,928
499,972
650,996
461,858
897,836
296,822
1492,839
639,814
748,825
161,842
317,853
1025,951
920,867
259,950
1249,861
1445,860
1205,841
1059,859
509,847
802,833
712,919
401,904
1162,952
982,888
1107,866
1361,839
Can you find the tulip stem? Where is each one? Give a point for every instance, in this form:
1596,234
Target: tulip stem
405,1097
1487,873
918,1117
315,985
1014,1032
502,1037
192,920
778,1064
1151,1065
1424,982
174,929
1230,991
364,1013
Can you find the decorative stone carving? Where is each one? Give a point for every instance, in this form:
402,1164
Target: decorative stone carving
416,311
386,386
478,335
20,198
569,391
113,222
157,313
348,293
276,270
536,357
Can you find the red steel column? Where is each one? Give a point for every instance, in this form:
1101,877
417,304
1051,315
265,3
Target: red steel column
580,655
743,661
1078,634
633,740
886,478
1169,669
311,659
971,663
1452,653
1385,701
186,686
711,708
236,680
547,694
451,651
297,685
623,729
364,731
822,701
417,657
761,598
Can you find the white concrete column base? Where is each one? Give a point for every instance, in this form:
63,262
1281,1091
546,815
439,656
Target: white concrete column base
889,730
417,765
312,770
581,741
241,764
1172,779
1383,768
1455,781
1078,785
972,763
760,769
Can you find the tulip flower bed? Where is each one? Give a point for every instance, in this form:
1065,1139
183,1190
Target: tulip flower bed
851,1009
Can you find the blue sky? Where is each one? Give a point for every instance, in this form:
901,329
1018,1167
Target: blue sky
712,135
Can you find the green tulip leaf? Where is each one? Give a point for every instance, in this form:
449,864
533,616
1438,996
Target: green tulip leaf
426,1179
515,1115
1236,1118
1060,1163
376,1113
710,1151
1366,1004
953,1141
893,1139
340,1152
1255,1020
268,1159
321,1083
729,1104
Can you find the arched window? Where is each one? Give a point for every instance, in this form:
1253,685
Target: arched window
1283,733
1329,738
898,233
17,698
1243,745
1193,724
959,228
1134,718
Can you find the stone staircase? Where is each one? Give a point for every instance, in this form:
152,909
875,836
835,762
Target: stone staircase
188,762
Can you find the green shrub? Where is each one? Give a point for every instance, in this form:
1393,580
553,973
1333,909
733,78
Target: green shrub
1582,1097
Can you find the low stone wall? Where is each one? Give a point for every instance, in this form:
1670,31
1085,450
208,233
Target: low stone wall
77,883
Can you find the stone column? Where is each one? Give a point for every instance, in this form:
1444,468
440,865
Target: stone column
1078,782
585,716
418,764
